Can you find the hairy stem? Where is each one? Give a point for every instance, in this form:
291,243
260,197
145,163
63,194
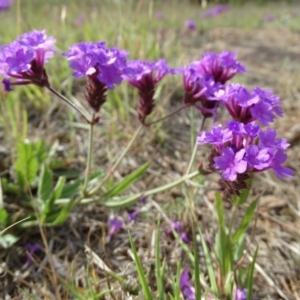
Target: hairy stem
56,93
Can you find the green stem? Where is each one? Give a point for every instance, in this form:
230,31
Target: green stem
195,150
117,202
116,164
89,154
69,103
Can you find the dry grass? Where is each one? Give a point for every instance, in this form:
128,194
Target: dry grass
273,59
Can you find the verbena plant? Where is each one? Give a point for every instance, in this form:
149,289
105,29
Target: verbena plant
240,147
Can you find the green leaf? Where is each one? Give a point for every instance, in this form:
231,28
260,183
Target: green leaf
251,276
7,240
220,212
126,182
63,214
158,268
224,254
3,217
239,248
210,269
245,222
45,187
54,195
141,275
26,165
196,265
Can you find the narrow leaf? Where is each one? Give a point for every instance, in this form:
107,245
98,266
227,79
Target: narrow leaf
126,182
45,188
141,275
220,212
251,276
245,222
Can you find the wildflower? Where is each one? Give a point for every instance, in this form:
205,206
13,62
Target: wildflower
244,106
31,250
231,162
115,225
215,11
5,4
200,90
24,59
176,226
103,68
187,290
242,149
269,18
222,67
190,24
241,294
144,75
159,15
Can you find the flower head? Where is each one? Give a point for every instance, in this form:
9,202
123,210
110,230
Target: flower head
215,11
187,289
244,149
5,4
221,67
115,225
241,294
24,59
103,67
200,89
245,106
144,75
190,24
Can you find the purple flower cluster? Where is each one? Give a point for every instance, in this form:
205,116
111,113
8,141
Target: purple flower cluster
5,4
215,11
242,149
186,288
204,80
24,59
190,24
103,67
144,75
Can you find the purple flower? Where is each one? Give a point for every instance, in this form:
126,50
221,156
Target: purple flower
276,164
144,75
200,89
269,18
159,15
257,158
176,226
217,136
231,163
115,225
221,66
190,24
187,290
133,215
268,139
31,250
215,11
246,107
5,4
24,59
241,294
103,67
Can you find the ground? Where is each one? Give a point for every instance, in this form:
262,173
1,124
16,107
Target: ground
272,56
